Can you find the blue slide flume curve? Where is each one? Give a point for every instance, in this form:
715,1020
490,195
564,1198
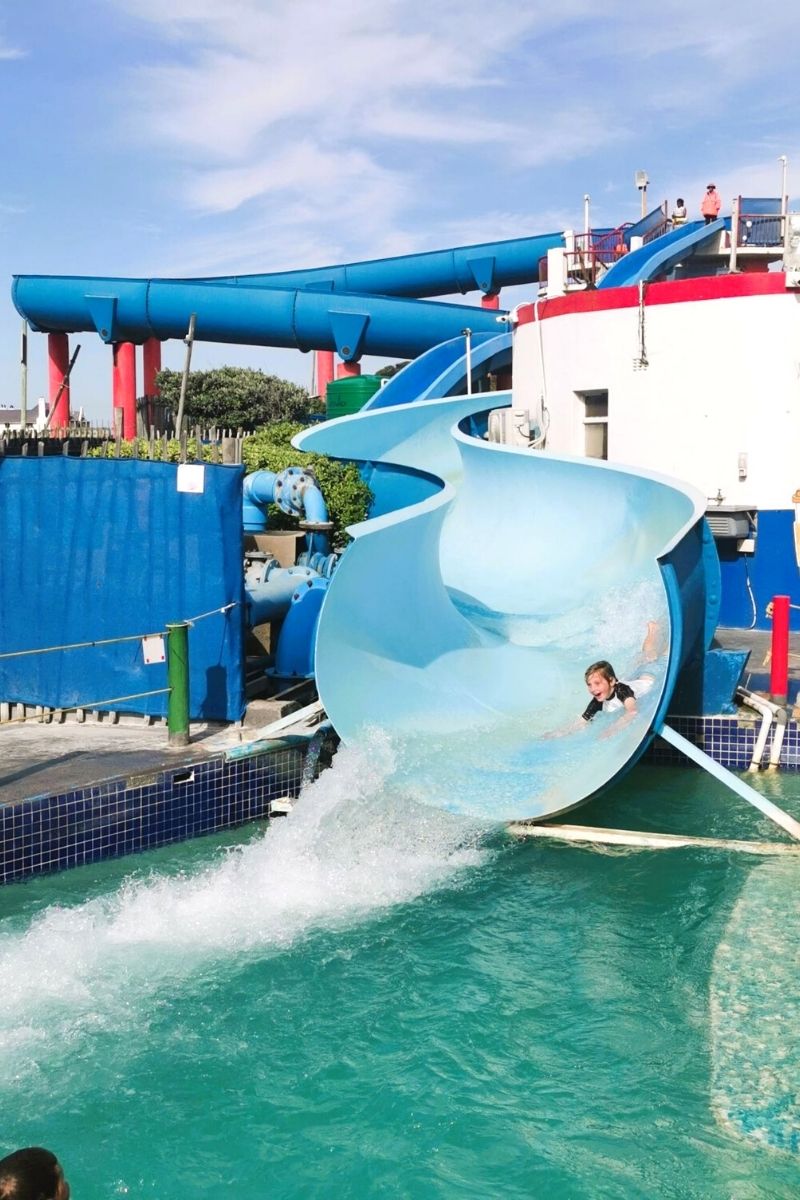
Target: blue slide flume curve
461,625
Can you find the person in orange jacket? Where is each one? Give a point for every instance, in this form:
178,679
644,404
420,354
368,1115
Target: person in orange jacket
710,204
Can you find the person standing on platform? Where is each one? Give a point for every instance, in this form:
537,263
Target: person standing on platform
710,204
679,213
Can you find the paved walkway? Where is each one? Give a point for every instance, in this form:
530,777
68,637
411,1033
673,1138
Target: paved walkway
44,759
759,643
40,759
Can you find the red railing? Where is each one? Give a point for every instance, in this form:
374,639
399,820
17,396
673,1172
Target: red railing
594,251
610,246
658,231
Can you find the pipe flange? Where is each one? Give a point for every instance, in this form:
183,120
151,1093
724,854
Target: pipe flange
316,526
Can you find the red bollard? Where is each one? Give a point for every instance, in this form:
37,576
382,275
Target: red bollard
779,663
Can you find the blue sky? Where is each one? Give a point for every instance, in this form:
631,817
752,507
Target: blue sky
196,137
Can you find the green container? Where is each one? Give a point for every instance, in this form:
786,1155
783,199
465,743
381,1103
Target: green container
350,395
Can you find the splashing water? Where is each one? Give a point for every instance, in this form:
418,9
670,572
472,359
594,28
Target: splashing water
351,848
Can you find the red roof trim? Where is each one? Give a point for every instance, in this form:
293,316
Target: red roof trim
679,291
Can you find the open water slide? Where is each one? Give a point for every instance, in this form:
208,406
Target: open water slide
662,254
461,625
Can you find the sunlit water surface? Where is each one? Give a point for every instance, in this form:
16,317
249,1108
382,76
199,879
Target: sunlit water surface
374,998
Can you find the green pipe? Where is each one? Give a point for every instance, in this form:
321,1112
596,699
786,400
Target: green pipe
178,681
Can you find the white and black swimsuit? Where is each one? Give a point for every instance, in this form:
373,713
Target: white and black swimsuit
621,693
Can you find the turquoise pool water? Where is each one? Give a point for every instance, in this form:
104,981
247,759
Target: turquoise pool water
377,999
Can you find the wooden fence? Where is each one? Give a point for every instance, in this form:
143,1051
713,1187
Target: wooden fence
214,445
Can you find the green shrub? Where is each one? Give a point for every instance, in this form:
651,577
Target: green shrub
173,450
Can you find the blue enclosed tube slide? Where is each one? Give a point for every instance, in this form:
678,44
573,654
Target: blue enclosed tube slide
485,267
132,310
344,308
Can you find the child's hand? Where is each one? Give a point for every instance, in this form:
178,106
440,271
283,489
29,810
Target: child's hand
617,726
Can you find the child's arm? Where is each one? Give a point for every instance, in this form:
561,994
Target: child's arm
581,722
573,727
625,718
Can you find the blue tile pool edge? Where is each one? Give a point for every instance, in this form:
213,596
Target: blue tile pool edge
124,815
729,740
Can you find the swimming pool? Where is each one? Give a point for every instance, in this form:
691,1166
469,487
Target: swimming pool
377,999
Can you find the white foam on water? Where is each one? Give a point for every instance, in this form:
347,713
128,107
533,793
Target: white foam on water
755,1012
349,849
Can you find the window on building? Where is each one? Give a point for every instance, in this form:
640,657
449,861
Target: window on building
595,423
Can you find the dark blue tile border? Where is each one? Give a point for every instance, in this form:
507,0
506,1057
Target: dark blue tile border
730,741
122,816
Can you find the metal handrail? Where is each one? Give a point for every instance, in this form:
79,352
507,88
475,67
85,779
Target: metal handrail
128,637
760,229
657,231
47,713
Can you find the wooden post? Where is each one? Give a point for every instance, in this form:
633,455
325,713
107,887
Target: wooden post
189,340
23,381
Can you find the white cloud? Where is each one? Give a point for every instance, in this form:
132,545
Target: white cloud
9,51
349,68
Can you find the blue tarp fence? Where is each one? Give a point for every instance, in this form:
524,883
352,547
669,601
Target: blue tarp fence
93,549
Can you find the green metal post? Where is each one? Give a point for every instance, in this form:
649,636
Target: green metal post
178,682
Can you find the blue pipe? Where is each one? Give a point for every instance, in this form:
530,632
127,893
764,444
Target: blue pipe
133,310
295,491
294,654
258,490
270,598
314,504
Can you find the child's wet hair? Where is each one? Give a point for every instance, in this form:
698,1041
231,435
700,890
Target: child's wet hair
601,668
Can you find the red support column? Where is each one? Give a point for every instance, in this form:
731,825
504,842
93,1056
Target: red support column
491,301
348,370
124,386
779,668
151,365
58,364
324,371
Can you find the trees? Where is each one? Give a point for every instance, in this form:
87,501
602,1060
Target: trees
235,397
